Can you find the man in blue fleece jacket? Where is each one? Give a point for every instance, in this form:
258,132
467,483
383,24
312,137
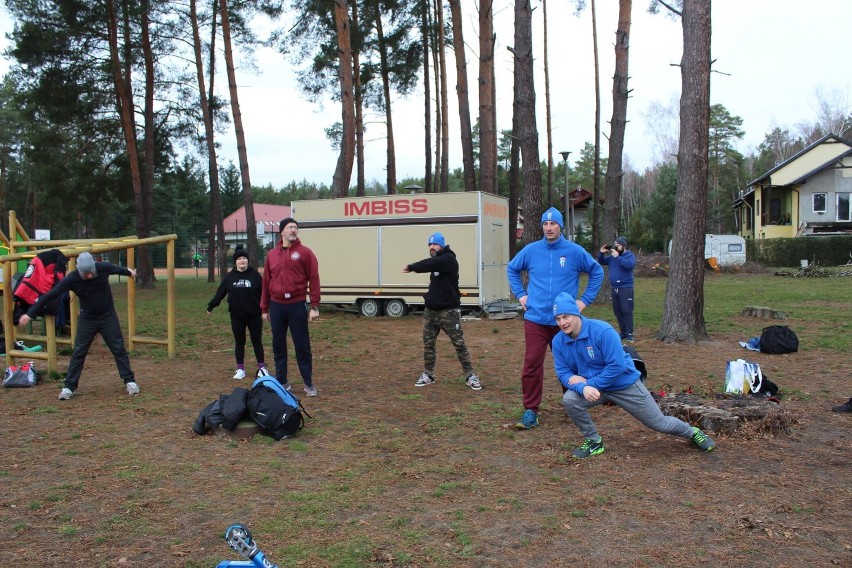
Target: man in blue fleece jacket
591,363
553,265
621,263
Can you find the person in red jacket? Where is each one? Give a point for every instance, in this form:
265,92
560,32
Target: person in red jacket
291,272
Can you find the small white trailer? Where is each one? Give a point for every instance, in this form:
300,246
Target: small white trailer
728,250
363,243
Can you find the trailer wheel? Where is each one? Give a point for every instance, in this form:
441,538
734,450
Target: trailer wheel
370,308
395,308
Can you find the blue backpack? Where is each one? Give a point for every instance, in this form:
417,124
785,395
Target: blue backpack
274,409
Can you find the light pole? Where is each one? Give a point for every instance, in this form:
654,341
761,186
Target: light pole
569,210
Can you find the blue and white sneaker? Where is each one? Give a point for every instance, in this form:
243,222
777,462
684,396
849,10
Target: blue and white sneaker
528,420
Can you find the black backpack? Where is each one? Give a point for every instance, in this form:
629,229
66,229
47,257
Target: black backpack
778,339
274,409
637,362
226,411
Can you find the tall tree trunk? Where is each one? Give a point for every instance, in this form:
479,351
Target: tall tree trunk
217,220
683,311
425,27
527,132
210,139
596,183
343,171
145,266
487,124
242,152
445,113
359,112
548,124
464,98
515,168
124,101
514,192
439,145
383,61
618,124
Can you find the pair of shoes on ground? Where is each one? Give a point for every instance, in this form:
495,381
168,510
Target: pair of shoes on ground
66,393
241,374
427,379
595,447
846,407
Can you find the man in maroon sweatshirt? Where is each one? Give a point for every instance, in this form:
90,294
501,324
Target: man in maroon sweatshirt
290,273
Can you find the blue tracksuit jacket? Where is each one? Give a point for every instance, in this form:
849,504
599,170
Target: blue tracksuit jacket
596,355
553,267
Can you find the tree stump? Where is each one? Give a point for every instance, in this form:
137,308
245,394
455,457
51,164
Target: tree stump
244,430
728,414
763,312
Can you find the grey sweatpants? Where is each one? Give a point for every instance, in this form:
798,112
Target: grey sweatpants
636,400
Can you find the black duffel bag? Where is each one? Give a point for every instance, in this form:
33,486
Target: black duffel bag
778,339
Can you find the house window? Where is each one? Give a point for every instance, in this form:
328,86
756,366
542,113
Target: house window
843,213
819,203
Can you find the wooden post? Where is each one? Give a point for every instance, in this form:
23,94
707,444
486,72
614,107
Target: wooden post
131,301
170,299
50,330
8,311
73,302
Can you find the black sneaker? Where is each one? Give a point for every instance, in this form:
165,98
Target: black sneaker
588,449
843,407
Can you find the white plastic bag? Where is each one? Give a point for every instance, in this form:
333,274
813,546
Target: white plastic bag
742,377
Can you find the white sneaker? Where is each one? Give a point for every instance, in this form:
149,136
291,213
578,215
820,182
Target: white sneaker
240,374
425,379
473,382
311,390
132,388
65,394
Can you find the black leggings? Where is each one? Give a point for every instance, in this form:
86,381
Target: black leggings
255,327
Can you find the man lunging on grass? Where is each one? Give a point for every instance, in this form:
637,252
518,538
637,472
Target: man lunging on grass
591,363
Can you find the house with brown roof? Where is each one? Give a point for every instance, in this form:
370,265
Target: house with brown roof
266,218
808,194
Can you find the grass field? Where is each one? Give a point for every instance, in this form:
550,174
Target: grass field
387,474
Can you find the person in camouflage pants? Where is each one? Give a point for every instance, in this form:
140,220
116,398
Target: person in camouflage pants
443,302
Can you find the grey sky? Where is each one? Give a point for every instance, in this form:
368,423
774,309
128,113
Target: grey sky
771,57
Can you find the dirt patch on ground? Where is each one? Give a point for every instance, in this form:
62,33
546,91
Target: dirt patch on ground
392,475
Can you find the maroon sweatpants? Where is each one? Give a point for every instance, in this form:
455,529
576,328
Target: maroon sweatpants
537,338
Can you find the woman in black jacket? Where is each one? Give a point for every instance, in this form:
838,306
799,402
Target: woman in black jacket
243,287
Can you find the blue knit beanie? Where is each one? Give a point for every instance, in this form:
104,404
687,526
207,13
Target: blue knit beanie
437,239
553,214
565,304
